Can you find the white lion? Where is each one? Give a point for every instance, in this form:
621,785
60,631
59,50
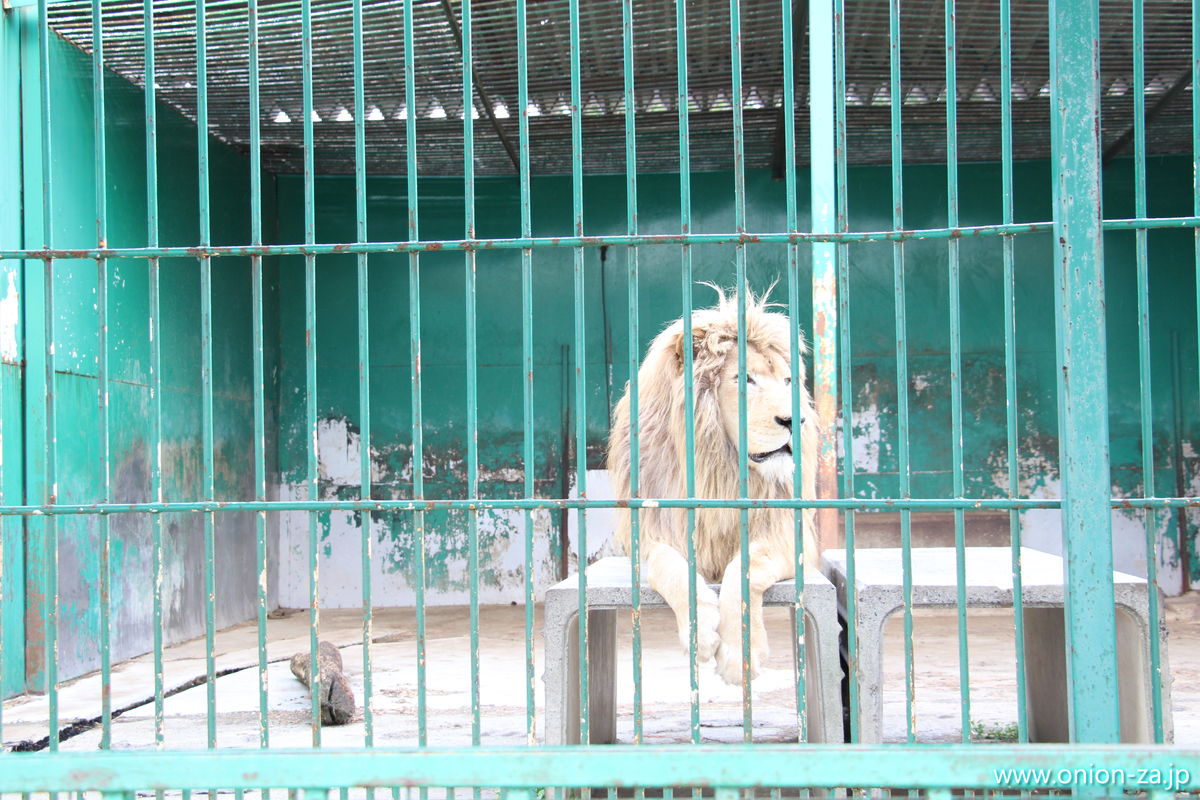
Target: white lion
770,425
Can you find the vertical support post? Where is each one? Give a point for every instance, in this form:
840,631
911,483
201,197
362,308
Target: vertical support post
1082,372
824,264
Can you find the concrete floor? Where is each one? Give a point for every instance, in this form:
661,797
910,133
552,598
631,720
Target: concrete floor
502,693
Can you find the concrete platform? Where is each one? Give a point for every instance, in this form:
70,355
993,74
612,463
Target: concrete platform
609,595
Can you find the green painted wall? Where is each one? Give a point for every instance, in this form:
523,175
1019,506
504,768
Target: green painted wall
499,335
77,385
873,348
12,550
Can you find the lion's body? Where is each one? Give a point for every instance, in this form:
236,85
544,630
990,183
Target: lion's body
663,472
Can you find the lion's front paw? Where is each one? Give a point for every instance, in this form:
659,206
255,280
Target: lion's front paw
708,619
729,661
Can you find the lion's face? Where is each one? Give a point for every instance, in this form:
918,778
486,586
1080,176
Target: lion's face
769,415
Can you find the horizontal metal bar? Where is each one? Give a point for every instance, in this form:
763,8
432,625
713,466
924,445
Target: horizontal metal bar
615,240
726,765
873,504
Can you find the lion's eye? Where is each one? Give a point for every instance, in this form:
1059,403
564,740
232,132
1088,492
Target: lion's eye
749,380
788,380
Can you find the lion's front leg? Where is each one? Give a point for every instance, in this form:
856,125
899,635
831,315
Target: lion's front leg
765,570
666,571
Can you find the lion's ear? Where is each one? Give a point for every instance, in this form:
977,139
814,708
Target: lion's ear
699,334
707,340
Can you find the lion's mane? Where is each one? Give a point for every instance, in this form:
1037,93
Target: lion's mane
661,442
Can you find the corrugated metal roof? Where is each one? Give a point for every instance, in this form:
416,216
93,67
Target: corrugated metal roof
439,79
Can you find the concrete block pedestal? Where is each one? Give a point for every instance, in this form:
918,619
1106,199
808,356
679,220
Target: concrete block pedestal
879,594
609,591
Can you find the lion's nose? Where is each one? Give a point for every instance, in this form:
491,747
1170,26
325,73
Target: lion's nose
785,422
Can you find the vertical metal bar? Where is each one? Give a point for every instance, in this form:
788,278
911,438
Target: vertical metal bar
155,334
206,380
739,222
1144,371
310,362
1010,356
841,158
631,227
472,359
580,345
50,603
414,326
824,288
527,359
1082,373
689,396
260,431
896,100
822,198
956,412
101,180
364,363
1196,157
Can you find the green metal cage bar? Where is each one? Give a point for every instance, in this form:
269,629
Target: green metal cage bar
310,364
527,385
259,374
739,223
579,344
902,412
206,379
102,279
155,333
49,556
1082,375
364,363
844,356
1142,259
414,323
1010,359
820,25
541,503
689,397
1196,151
472,397
956,365
579,241
634,356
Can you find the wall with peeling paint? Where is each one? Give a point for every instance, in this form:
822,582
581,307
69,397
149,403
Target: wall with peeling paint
12,549
873,353
499,335
80,479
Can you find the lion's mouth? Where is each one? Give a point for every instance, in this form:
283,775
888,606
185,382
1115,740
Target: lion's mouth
758,458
